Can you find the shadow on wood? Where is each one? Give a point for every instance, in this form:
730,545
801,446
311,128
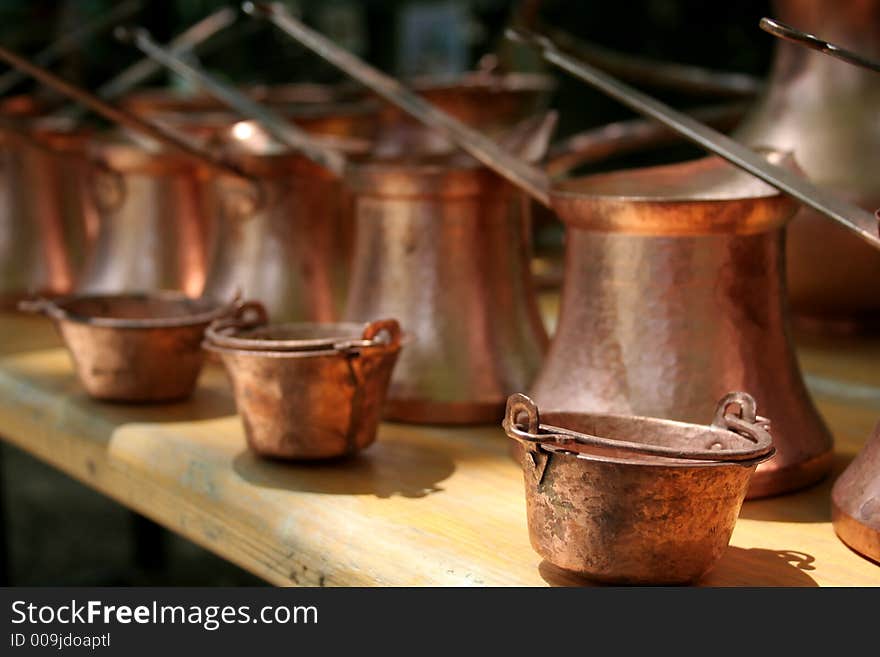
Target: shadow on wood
765,568
383,470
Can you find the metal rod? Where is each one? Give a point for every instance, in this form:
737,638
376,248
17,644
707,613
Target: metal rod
284,131
621,137
684,78
789,33
117,115
860,221
530,179
72,40
187,41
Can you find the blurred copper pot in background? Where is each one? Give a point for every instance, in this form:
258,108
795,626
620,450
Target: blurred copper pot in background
153,223
825,112
443,247
47,220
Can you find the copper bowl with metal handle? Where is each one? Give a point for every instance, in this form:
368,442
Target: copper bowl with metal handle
636,500
134,347
306,391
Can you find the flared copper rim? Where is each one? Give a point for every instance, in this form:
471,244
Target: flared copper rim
57,309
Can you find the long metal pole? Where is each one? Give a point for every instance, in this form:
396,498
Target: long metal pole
72,40
531,179
861,222
284,131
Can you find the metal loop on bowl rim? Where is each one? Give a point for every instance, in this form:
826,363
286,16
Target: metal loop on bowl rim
553,438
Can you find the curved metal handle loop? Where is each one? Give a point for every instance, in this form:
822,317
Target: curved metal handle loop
374,335
108,188
37,306
747,408
747,422
245,315
389,327
518,404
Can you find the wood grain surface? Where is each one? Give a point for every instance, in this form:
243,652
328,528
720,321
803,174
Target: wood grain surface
423,506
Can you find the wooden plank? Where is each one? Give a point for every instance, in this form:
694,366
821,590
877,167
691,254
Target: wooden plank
424,506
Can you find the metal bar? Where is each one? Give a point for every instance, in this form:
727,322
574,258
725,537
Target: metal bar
117,115
684,78
144,69
529,178
72,40
789,33
284,131
861,222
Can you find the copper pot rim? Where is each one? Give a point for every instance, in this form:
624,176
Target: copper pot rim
549,438
115,151
573,188
207,310
248,332
420,177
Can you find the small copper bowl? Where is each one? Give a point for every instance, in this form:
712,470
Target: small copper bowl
636,500
306,391
138,347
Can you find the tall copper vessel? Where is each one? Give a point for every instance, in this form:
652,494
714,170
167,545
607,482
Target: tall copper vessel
292,250
855,500
825,111
153,219
443,248
47,222
673,295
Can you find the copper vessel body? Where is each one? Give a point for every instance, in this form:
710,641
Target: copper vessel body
306,402
673,294
153,221
47,220
292,250
143,348
824,111
445,250
855,500
620,517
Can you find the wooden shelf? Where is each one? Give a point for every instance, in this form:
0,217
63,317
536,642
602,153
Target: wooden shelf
423,506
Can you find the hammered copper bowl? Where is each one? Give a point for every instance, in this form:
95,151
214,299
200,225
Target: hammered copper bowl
133,347
617,516
308,391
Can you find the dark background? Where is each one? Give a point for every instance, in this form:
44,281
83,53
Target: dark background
58,531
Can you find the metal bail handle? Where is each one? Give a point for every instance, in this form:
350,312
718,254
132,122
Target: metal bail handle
747,422
245,315
382,332
518,404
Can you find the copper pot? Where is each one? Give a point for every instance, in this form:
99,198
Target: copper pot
47,221
636,500
306,391
673,294
153,220
443,247
486,100
133,347
292,251
825,112
855,500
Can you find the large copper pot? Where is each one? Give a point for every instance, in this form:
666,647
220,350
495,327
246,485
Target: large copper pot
825,112
47,222
443,248
674,295
153,220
